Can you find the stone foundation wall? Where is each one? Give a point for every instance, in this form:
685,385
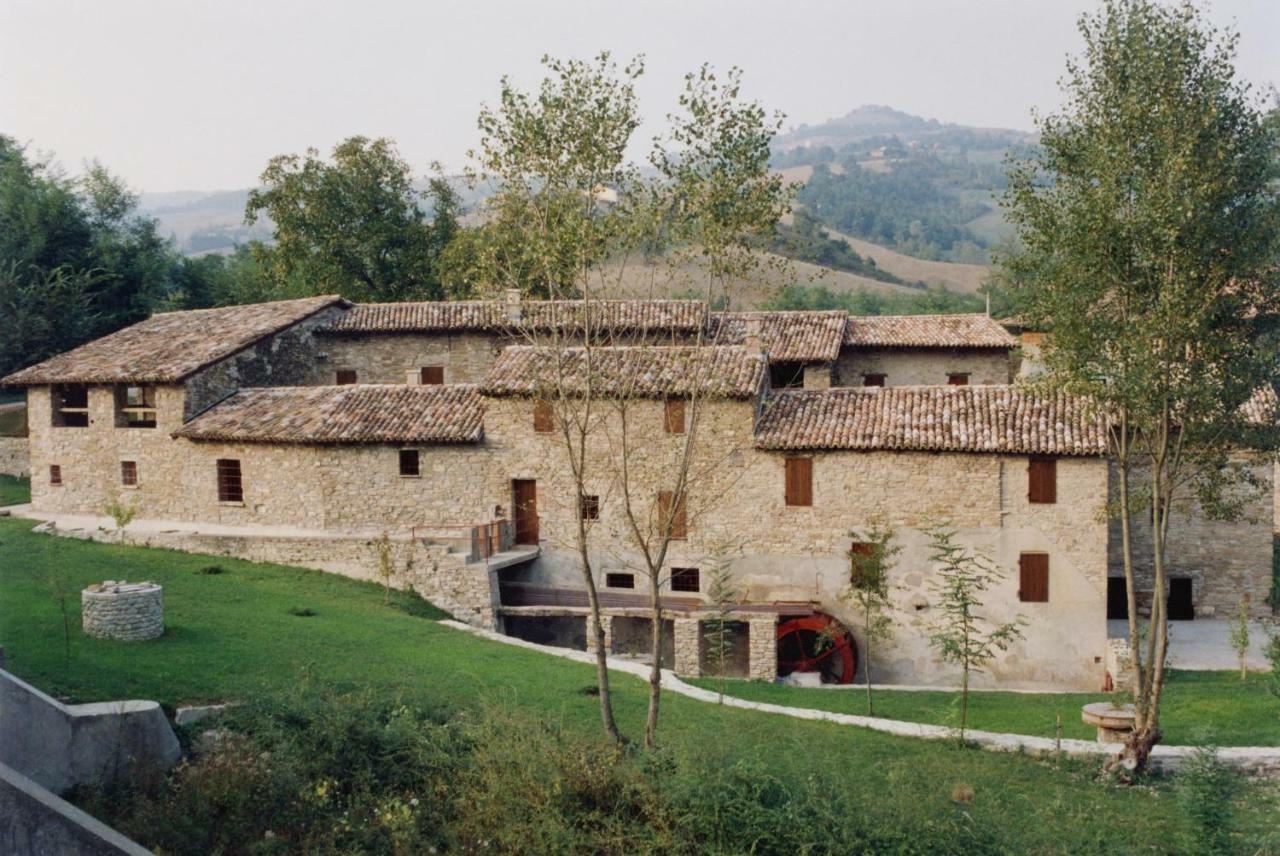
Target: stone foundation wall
15,458
922,366
125,611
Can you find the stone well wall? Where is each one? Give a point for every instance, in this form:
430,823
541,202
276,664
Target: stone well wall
124,611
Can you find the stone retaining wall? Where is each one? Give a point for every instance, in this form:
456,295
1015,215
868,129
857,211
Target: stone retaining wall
129,612
14,457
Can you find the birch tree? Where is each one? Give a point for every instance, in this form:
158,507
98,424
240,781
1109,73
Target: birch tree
1148,232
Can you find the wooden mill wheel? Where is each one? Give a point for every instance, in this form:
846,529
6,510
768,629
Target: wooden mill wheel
817,643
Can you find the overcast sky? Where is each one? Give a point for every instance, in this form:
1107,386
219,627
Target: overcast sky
181,95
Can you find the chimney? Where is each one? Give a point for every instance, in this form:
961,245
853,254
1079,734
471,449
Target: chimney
752,338
512,303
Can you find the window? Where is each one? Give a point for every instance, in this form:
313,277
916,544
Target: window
129,473
786,375
1042,480
135,407
542,421
589,507
71,406
55,474
230,487
684,579
432,375
958,379
409,463
679,522
345,377
673,416
620,580
799,481
873,379
1033,577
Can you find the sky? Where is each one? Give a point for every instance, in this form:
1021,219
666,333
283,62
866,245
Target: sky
176,95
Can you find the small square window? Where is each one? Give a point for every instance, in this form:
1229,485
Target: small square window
622,581
873,379
958,379
432,375
589,506
409,463
230,485
345,377
55,474
684,579
129,473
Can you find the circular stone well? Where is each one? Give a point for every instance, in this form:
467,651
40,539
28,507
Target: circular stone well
121,610
1114,722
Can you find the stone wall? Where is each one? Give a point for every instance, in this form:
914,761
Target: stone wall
15,459
922,366
125,611
398,357
1224,559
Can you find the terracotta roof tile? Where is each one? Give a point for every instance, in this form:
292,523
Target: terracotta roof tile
927,331
643,372
788,336
169,346
610,315
354,413
932,418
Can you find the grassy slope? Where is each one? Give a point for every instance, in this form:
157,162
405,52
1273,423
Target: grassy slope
230,635
14,491
1199,707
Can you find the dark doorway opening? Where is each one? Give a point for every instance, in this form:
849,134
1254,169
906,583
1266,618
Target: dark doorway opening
1117,599
1181,607
562,631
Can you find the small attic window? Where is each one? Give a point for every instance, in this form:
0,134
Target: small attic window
71,406
135,406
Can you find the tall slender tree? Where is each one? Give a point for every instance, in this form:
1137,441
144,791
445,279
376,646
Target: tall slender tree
1148,228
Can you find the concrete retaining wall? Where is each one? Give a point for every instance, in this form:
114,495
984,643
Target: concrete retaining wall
34,822
58,745
14,457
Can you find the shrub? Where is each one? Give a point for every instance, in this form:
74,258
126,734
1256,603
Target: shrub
1206,789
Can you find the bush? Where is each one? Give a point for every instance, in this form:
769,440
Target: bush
1206,789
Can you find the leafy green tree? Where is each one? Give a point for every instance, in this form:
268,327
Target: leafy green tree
870,562
1148,227
42,313
960,634
353,225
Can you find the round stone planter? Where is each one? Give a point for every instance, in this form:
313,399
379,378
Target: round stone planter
120,610
1114,722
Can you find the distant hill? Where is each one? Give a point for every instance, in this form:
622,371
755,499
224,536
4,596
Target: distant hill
871,121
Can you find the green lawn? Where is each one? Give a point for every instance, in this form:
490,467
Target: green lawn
1199,708
232,634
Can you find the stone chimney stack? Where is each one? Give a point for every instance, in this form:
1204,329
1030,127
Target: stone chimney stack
752,338
512,303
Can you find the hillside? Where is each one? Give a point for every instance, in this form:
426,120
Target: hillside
870,121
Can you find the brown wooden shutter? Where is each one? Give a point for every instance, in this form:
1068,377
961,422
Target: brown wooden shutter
432,375
345,376
673,416
543,422
1033,577
799,481
55,474
679,521
1042,480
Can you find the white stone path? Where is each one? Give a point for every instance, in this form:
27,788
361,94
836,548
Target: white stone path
1256,759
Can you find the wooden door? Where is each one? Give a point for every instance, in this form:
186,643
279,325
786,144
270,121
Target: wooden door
524,502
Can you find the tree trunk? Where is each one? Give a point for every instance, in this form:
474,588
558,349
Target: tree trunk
655,669
602,663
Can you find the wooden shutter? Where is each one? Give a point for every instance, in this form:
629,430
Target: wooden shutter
230,487
432,375
1033,577
55,474
799,484
129,473
1042,480
673,416
543,422
679,521
345,376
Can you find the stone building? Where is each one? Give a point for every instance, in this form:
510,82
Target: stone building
423,440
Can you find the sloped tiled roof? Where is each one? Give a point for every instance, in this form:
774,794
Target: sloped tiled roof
438,316
932,418
364,413
927,331
642,372
169,346
788,336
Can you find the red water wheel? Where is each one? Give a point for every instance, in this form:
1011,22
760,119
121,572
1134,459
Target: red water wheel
817,643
